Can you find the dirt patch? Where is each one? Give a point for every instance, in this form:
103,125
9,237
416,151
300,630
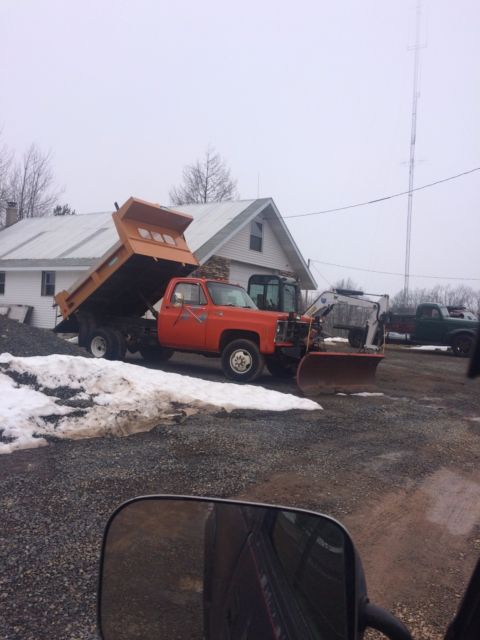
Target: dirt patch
419,547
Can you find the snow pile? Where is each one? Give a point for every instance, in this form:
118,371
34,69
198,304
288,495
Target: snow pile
430,347
73,397
362,394
393,335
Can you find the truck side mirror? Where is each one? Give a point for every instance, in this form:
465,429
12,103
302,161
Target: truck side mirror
185,567
178,299
179,567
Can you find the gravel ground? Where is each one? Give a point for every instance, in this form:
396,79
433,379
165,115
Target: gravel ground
23,340
400,470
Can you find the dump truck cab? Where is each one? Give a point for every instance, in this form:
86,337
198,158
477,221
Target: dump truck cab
214,317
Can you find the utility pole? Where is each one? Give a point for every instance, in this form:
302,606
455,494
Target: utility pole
413,136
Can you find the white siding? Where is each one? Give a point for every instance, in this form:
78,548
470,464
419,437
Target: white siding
24,287
240,272
272,256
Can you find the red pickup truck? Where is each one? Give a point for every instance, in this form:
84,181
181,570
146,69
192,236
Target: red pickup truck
217,318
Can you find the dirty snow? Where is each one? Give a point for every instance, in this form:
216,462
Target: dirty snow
75,397
363,394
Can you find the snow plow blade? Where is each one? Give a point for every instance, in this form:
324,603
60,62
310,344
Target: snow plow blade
323,371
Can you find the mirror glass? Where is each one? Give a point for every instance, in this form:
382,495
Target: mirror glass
187,568
178,298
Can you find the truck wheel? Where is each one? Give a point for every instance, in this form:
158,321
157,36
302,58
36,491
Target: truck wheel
280,369
107,343
242,361
462,345
155,354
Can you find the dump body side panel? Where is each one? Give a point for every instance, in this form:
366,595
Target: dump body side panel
134,273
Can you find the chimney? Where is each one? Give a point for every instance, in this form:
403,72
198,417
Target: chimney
11,214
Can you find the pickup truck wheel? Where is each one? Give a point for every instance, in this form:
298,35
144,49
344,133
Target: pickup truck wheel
107,343
155,354
242,361
279,369
462,345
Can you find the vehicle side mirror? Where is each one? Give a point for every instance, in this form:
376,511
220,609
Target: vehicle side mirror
178,299
194,568
183,567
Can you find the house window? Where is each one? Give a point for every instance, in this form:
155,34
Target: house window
256,236
2,283
48,283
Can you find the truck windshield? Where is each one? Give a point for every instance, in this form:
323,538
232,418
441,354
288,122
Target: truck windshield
289,298
229,295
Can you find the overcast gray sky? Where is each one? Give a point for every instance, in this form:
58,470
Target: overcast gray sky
315,97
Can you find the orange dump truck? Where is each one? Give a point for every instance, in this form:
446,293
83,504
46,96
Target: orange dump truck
151,261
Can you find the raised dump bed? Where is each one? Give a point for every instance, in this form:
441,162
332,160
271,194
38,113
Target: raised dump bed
131,277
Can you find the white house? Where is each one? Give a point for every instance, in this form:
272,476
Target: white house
231,240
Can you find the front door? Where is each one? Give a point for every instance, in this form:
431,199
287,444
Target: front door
182,325
430,326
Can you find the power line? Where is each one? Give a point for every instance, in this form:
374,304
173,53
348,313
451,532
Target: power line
391,273
383,198
320,274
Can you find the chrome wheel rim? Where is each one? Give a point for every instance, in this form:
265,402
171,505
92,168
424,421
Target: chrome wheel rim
241,361
98,347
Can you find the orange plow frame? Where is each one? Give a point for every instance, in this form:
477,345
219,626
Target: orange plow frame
323,371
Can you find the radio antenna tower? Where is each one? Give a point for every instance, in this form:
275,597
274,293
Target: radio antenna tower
413,136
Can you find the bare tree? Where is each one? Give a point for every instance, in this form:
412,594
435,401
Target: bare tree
32,184
207,180
64,210
347,283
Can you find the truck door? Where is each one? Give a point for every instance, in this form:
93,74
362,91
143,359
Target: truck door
430,325
183,325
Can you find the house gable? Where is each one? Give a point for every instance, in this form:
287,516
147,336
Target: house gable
272,256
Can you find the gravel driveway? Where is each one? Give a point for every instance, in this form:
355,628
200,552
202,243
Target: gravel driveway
400,470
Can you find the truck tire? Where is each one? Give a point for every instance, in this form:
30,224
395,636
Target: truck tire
279,369
155,354
462,345
242,361
107,343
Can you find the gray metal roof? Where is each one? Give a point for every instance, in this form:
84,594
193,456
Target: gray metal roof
78,241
